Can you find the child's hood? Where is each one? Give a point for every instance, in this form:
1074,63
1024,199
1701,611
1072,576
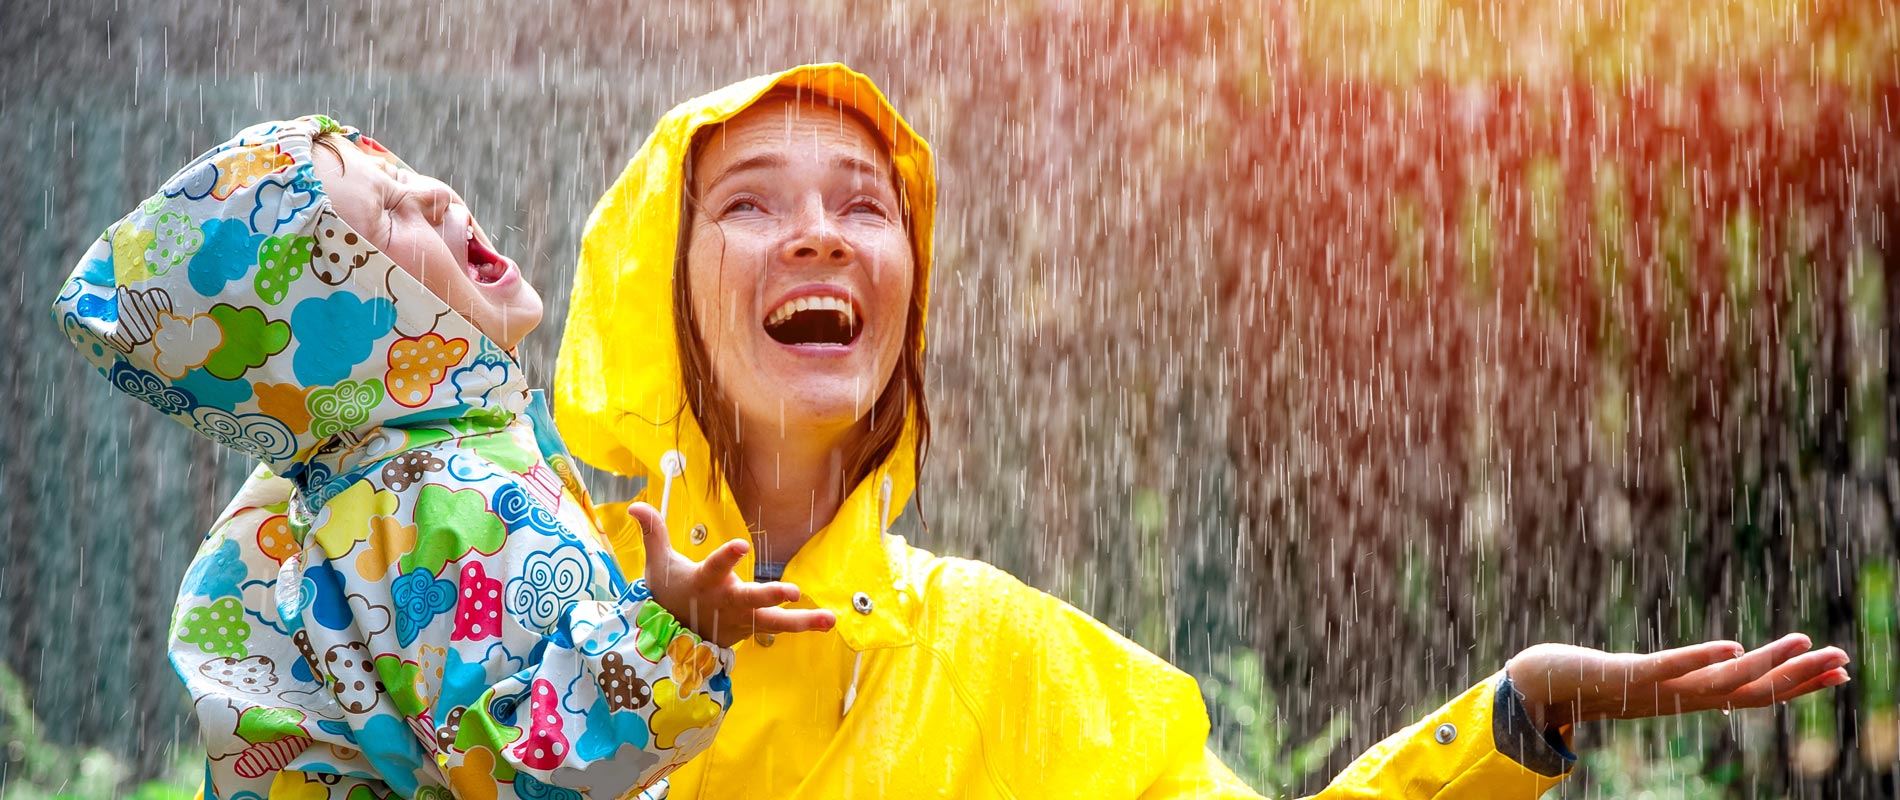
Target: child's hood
236,302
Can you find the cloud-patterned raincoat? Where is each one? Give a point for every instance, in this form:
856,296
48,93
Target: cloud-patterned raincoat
409,598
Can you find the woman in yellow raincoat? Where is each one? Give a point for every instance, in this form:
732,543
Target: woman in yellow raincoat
745,333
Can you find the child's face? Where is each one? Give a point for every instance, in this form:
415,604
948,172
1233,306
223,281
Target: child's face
423,226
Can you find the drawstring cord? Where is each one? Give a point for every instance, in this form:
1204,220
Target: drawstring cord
884,507
672,465
884,529
851,691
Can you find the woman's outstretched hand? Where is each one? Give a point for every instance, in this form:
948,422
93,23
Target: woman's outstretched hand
1564,684
708,598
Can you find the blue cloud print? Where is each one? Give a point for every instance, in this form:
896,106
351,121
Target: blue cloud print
280,198
549,582
324,598
197,182
335,333
419,596
229,251
219,575
518,510
151,389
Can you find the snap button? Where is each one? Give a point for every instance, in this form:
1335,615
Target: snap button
765,639
861,602
1446,733
699,533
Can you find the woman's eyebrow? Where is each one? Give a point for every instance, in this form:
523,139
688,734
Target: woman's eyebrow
762,161
870,171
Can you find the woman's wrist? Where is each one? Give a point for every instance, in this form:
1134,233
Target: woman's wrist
1540,749
1545,712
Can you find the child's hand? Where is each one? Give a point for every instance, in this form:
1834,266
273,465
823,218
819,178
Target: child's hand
708,598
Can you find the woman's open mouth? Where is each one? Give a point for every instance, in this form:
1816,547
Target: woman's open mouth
814,320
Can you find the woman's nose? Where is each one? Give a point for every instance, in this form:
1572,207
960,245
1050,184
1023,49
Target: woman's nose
817,242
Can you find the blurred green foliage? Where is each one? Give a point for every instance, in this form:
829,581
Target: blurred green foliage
32,768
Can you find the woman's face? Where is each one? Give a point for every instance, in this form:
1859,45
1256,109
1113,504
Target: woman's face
799,266
423,226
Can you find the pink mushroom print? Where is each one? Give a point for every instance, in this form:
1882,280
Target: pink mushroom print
545,746
478,610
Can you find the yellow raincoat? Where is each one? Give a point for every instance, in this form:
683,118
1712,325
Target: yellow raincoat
944,677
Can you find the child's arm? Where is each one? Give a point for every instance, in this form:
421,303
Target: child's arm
467,633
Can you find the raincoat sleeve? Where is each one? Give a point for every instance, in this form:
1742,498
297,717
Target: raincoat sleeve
1490,750
459,621
1110,684
1480,745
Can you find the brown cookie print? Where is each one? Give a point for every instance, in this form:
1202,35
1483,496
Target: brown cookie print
353,677
339,251
407,468
302,639
253,675
451,726
621,684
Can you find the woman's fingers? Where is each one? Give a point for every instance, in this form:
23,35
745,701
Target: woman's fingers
1826,680
793,620
1790,680
1735,673
1669,664
1578,684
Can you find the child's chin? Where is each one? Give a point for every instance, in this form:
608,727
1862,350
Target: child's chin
509,324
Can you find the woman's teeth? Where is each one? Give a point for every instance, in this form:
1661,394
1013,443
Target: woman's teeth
814,303
813,320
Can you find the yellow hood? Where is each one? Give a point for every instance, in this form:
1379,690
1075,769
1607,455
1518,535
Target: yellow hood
618,392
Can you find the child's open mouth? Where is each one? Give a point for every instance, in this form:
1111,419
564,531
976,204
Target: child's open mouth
484,264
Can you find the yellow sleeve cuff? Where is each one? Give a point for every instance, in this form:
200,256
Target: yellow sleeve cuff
1451,754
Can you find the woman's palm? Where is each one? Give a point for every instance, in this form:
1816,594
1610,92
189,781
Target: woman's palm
1565,684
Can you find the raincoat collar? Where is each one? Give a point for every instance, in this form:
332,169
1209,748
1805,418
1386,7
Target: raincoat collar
619,398
237,303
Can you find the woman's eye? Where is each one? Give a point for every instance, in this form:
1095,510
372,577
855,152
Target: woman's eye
867,206
741,205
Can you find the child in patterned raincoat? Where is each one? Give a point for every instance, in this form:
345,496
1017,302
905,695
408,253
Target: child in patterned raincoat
418,604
